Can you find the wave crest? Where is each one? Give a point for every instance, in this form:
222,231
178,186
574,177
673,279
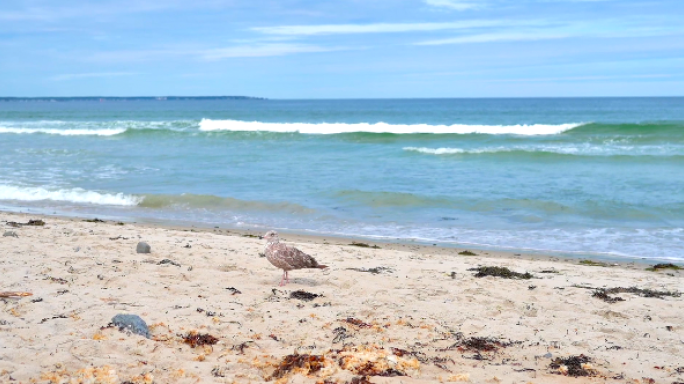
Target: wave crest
64,132
208,125
75,195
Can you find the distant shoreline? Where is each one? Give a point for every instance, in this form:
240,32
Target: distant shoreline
128,98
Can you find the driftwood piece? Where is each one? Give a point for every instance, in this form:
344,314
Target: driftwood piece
15,294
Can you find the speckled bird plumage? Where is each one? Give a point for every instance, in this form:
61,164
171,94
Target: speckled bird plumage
287,257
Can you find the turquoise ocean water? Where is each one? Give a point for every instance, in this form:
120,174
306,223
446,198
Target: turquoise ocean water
578,176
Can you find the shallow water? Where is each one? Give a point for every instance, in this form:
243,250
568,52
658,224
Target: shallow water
601,176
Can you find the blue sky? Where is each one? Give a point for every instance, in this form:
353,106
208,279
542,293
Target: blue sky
342,49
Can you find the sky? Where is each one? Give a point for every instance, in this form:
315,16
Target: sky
293,49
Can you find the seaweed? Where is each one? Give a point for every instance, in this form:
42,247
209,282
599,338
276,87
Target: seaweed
340,334
168,261
593,263
575,366
53,317
658,267
374,270
467,253
95,220
304,295
253,236
234,291
356,322
56,279
363,245
118,238
32,223
500,272
309,363
603,295
196,339
549,271
650,293
369,369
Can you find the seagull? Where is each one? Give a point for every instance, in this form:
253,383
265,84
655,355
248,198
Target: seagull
287,257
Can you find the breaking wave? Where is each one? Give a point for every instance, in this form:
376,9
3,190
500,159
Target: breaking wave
75,195
338,128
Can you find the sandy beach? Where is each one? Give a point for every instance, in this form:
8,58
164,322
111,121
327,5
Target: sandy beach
392,314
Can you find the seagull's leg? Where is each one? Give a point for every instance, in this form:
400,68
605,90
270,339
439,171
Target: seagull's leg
287,278
282,278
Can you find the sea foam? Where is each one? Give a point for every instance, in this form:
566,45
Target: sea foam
75,195
337,128
63,132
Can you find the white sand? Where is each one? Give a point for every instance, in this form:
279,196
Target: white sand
81,274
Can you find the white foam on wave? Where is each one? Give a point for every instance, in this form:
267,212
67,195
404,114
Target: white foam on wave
337,128
63,132
76,195
579,150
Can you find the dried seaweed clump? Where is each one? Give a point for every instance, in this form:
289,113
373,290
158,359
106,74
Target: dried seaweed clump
296,363
304,295
363,245
364,361
500,272
602,293
575,366
658,267
593,263
374,270
196,339
467,253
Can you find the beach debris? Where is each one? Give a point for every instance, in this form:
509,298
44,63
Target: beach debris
56,279
95,220
53,317
658,267
363,245
374,270
287,257
8,294
594,263
467,253
641,292
340,334
10,234
168,261
305,364
365,361
304,295
37,300
131,323
196,339
500,272
574,366
234,291
356,322
531,287
549,271
143,247
252,236
118,238
603,295
32,223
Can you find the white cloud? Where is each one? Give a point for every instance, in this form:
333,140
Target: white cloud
457,5
497,37
71,76
263,50
329,29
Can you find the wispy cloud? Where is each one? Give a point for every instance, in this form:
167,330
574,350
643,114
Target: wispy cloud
584,78
457,5
72,76
497,37
263,50
329,29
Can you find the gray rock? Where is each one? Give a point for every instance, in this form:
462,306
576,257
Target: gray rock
143,247
131,323
10,234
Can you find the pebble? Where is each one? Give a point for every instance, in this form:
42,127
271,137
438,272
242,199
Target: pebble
143,247
10,234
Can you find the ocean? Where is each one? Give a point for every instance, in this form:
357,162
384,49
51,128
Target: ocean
578,176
